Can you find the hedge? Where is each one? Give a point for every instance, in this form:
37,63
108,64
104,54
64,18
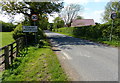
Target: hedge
100,31
7,27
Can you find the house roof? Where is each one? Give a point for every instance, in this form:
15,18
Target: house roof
82,22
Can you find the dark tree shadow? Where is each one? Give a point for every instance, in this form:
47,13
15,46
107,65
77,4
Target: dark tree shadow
66,40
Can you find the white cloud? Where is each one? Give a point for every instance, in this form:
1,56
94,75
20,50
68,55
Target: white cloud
4,18
101,0
83,1
97,0
77,1
51,18
86,9
17,18
96,15
98,12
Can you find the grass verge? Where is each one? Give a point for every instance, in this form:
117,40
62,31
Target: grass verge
35,64
6,38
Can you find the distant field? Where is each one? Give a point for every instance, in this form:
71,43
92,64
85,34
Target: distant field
5,38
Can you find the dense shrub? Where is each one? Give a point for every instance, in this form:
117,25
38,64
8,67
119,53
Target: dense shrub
18,32
7,27
100,31
58,22
29,35
50,26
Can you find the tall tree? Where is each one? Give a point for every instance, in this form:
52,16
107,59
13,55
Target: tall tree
79,17
28,8
70,12
114,29
111,7
58,22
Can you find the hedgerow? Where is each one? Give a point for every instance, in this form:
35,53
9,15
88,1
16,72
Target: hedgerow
100,31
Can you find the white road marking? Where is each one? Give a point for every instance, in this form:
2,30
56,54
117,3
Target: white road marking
67,56
85,54
63,57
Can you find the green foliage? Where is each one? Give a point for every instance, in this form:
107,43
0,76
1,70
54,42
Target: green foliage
50,26
115,30
79,17
40,8
29,36
58,23
6,38
33,7
43,23
18,32
39,64
110,7
100,32
86,31
7,27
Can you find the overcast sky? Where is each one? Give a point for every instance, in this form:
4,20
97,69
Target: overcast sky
93,9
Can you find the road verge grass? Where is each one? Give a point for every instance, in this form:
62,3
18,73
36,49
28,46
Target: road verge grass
35,64
6,38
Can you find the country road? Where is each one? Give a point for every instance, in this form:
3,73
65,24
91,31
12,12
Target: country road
91,61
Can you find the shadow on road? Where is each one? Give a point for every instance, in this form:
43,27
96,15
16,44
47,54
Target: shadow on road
67,40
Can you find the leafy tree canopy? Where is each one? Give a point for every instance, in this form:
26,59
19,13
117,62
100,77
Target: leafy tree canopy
57,19
58,22
111,7
28,8
79,17
7,27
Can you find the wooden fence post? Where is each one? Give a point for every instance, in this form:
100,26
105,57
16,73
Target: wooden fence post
17,48
11,56
22,43
6,52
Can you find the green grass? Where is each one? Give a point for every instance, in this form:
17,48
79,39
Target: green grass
38,64
6,38
111,43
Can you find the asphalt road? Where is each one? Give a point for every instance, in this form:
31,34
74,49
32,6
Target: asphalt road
91,61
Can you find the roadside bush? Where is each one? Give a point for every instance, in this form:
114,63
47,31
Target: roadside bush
18,32
58,22
100,31
29,36
106,29
7,27
50,26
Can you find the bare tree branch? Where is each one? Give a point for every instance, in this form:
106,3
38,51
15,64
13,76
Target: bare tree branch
70,12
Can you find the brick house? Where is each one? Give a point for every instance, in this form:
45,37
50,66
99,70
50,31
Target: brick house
82,22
